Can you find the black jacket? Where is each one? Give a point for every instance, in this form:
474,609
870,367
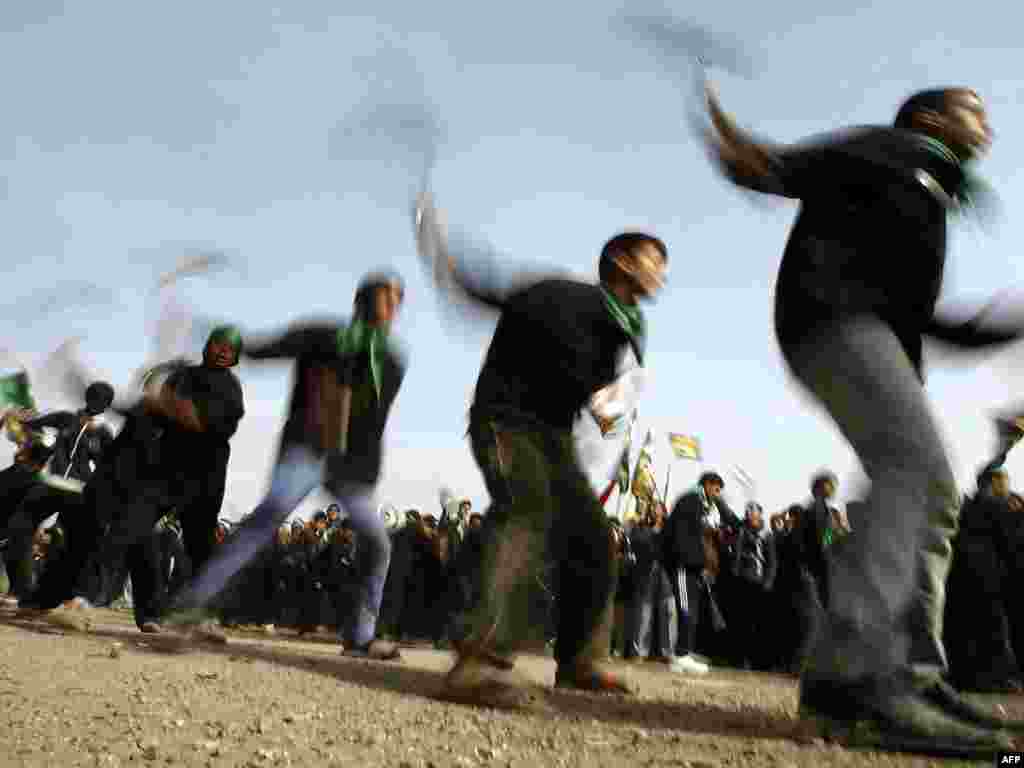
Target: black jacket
870,238
682,537
755,560
198,461
555,345
79,447
313,416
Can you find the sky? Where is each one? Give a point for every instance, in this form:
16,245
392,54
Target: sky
132,133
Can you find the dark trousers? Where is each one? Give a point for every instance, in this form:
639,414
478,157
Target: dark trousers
749,623
688,587
542,503
39,503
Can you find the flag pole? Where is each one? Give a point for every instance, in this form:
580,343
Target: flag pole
668,475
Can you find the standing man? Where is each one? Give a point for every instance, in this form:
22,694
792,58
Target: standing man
851,328
82,439
557,343
347,377
694,525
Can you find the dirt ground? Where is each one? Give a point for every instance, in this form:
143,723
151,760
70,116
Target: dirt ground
115,697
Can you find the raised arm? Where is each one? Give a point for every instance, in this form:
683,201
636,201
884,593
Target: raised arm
470,270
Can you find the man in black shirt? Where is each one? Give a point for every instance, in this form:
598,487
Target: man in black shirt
82,439
850,328
172,452
557,343
331,443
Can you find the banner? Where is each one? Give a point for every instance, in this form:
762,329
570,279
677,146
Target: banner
684,446
15,391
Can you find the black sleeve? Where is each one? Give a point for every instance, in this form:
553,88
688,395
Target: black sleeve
296,342
794,172
970,335
55,420
478,273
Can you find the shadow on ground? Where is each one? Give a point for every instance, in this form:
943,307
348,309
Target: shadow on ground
409,680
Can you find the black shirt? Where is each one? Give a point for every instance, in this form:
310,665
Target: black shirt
79,446
313,411
198,461
555,345
870,237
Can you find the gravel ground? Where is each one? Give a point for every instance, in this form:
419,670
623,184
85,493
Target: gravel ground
115,697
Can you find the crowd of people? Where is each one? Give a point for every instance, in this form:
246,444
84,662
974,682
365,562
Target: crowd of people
855,607
699,584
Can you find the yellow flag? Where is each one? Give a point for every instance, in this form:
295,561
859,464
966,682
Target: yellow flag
684,446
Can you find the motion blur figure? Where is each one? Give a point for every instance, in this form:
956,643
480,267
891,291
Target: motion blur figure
558,342
347,377
850,327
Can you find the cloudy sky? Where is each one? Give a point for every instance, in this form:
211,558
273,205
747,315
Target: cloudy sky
133,132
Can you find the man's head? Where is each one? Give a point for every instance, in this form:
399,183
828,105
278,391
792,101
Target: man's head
320,520
793,515
754,515
98,397
713,484
223,346
954,116
476,521
378,298
778,522
465,507
332,512
824,485
633,265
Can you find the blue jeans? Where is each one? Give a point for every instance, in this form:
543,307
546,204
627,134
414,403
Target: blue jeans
888,580
298,472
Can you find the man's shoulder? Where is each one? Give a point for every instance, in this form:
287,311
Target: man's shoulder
560,288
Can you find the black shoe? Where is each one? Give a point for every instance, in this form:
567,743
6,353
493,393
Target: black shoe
946,698
889,715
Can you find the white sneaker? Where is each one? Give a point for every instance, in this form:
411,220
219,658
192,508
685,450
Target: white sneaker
687,665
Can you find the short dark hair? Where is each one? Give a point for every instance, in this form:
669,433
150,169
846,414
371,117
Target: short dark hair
711,477
625,243
931,100
822,476
367,290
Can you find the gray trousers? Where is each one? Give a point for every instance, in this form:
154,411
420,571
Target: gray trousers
888,581
652,605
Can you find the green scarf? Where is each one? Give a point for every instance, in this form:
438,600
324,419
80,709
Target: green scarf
360,337
973,192
629,318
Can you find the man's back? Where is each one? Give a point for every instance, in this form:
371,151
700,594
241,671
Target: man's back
554,346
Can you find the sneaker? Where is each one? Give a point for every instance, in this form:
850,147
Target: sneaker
269,629
376,650
688,665
150,628
887,714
